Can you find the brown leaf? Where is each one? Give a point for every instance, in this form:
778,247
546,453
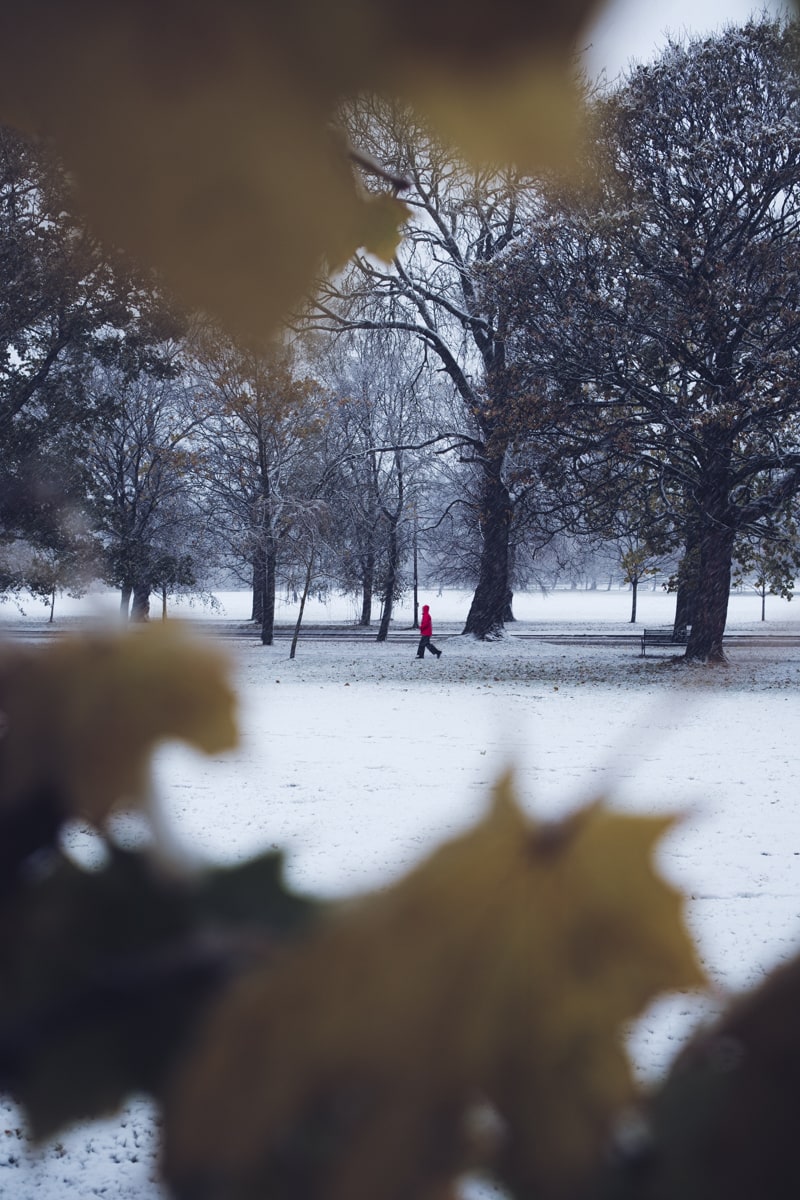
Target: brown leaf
81,716
502,968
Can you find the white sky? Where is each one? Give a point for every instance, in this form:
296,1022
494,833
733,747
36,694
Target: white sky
635,30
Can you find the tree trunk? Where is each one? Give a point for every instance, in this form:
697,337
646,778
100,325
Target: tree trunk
485,617
634,596
268,613
416,574
686,599
366,607
508,610
125,601
393,563
367,588
685,604
163,602
140,609
303,598
713,590
259,577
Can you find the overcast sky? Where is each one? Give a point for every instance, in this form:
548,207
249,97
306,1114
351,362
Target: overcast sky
635,29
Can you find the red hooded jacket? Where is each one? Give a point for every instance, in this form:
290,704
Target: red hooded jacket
426,624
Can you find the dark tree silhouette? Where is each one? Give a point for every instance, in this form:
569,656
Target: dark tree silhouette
67,306
659,310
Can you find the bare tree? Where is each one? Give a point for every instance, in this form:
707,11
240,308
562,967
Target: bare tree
377,418
461,220
138,463
259,441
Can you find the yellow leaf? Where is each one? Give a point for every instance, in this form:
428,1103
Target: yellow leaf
503,119
199,133
380,225
502,969
81,716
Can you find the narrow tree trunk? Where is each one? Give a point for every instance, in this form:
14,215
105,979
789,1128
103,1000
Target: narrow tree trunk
392,566
367,588
268,613
53,606
303,598
259,578
714,585
366,608
485,617
763,603
125,601
416,574
634,595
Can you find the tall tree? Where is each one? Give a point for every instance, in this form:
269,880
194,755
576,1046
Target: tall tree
666,322
259,458
66,306
138,466
461,220
376,417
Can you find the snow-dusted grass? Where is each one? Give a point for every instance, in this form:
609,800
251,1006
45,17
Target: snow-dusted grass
356,758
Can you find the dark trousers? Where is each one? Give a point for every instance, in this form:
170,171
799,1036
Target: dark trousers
425,643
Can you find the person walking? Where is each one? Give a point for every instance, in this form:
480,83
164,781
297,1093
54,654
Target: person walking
426,633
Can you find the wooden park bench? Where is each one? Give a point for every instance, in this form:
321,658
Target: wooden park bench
664,637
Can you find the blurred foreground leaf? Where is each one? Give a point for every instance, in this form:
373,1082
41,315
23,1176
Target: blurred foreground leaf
724,1125
500,971
103,974
81,717
199,133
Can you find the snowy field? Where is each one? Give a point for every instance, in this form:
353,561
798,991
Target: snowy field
356,759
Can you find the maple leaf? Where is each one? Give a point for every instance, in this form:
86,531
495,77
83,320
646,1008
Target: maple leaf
502,969
82,716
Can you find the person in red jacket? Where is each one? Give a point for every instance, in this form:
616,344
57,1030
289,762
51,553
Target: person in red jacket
426,633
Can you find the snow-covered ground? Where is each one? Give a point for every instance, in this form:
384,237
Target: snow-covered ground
357,758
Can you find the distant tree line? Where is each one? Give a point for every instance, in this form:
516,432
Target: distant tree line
549,384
